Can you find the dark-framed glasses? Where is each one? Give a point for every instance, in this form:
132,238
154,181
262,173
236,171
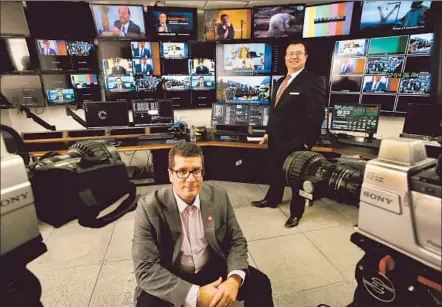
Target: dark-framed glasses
184,173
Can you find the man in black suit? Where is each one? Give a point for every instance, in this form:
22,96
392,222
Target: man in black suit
295,118
46,49
118,70
143,67
202,69
125,26
141,51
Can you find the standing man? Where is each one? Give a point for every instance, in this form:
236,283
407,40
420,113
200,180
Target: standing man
46,49
142,51
124,26
295,119
161,26
225,29
188,249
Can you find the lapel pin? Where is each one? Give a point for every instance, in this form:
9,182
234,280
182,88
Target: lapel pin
209,218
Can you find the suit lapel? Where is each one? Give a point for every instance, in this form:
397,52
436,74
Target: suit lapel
172,216
209,222
290,88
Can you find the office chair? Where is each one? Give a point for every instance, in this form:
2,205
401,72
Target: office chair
14,143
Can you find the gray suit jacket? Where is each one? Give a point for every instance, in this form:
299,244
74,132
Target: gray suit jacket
157,240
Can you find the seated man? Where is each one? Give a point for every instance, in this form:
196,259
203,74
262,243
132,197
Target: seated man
188,248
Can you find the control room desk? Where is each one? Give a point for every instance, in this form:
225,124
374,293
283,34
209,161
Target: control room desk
227,161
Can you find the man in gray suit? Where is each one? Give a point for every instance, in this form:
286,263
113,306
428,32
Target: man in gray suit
188,248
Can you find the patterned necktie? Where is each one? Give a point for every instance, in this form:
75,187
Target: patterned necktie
282,88
123,30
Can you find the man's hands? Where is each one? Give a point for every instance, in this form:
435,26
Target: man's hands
218,293
265,139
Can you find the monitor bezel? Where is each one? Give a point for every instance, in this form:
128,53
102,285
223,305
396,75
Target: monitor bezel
133,101
105,103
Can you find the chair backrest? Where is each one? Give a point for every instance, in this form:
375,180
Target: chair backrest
14,143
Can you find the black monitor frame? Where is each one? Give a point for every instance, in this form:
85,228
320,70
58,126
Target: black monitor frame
153,124
107,103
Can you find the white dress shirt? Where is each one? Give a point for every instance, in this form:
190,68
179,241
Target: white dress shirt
194,252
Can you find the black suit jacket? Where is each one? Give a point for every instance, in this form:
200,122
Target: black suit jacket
297,118
202,70
132,29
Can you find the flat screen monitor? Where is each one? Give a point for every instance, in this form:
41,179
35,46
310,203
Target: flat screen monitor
152,112
202,50
423,119
328,20
420,44
58,89
15,56
60,19
202,66
243,89
106,114
278,21
175,51
403,102
119,21
24,90
391,45
86,87
359,118
244,59
172,23
228,24
353,47
12,19
231,114
385,16
258,115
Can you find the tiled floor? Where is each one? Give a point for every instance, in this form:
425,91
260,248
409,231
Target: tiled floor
307,265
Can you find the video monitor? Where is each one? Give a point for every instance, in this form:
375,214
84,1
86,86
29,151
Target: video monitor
385,16
175,67
384,65
60,19
359,118
349,66
174,51
120,84
205,50
146,67
230,114
118,69
119,21
388,45
15,56
258,115
228,24
24,90
418,64
176,83
328,20
278,21
243,90
354,47
380,84
83,55
106,114
202,66
420,44
202,83
58,89
240,59
420,85
180,98
13,19
423,119
403,102
152,112
387,102
116,49
149,86
345,99
172,23
86,87
347,84
53,55
202,98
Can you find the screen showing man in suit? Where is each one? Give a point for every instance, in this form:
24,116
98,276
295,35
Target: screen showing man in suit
295,117
161,26
170,273
203,82
52,47
141,50
202,67
120,84
375,84
143,66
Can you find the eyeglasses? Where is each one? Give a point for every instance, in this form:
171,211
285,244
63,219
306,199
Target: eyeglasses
298,54
184,173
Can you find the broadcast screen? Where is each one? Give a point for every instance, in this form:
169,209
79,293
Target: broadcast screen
149,86
177,51
250,58
388,45
202,83
169,23
278,21
243,89
421,44
394,15
58,89
348,66
176,83
86,87
22,90
354,47
202,66
228,24
328,19
119,21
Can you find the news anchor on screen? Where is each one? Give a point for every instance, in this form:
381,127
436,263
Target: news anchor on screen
243,59
118,70
202,83
295,118
202,69
46,49
161,26
141,51
143,67
346,67
376,85
125,26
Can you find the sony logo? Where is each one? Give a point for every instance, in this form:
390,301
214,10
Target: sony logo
15,199
377,197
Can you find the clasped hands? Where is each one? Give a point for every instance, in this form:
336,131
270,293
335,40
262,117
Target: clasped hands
219,293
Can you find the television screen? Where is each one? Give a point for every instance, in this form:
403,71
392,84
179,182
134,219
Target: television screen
15,56
58,89
22,90
328,20
60,19
384,65
232,114
202,66
278,21
258,115
12,19
420,44
202,50
149,86
398,15
417,65
243,89
176,83
354,47
119,21
349,66
106,114
202,83
169,23
385,101
388,45
420,85
338,98
228,24
404,101
380,84
86,87
346,84
175,51
250,58
115,49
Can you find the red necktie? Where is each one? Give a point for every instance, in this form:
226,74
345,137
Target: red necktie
282,88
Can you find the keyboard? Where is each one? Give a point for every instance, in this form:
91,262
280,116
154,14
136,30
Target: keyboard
156,136
375,145
323,142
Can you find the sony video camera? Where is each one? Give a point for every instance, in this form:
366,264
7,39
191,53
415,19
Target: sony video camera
399,222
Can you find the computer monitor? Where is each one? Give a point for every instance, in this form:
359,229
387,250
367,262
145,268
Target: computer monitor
22,90
228,24
106,114
258,115
357,117
423,119
152,112
172,23
230,114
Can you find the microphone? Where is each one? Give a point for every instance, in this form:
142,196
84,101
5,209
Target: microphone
242,21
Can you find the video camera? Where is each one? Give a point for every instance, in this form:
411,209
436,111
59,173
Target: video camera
55,189
399,222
